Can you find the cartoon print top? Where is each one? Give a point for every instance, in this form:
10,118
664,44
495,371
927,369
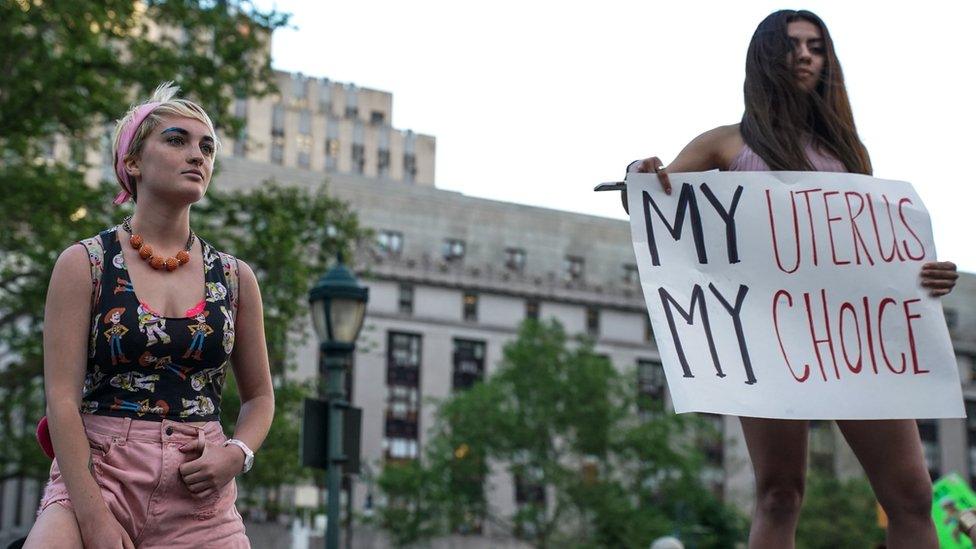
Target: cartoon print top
145,366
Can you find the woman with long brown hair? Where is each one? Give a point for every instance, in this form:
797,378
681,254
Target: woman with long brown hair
798,118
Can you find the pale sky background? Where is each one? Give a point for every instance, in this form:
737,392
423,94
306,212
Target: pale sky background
535,102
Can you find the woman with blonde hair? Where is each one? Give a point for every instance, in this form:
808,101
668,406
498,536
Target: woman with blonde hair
133,315
797,117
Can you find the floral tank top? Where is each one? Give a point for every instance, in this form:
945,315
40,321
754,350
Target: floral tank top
146,366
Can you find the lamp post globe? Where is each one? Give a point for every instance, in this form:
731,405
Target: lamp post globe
338,305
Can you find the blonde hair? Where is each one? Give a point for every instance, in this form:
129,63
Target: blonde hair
169,105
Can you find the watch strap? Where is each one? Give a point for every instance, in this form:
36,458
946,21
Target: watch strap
248,453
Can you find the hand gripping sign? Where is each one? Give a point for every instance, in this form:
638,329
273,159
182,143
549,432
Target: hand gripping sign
793,295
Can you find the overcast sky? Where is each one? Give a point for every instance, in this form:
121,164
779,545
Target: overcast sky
537,101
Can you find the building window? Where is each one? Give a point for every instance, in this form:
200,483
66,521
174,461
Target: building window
405,299
532,309
400,448
453,249
530,500
651,386
573,268
403,396
390,242
648,329
529,488
352,101
515,259
358,158
305,122
409,167
593,321
304,150
469,363
331,153
325,97
278,119
377,118
631,276
383,162
470,307
332,147
403,359
299,87
822,447
278,149
928,430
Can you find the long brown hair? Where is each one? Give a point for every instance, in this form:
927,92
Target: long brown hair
778,114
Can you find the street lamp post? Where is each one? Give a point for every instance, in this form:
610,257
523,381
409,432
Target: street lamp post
338,305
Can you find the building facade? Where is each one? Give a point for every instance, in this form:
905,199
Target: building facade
324,126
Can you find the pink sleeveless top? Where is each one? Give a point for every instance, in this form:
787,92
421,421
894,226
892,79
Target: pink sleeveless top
748,161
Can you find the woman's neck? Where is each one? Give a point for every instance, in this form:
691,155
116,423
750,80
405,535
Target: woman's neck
164,228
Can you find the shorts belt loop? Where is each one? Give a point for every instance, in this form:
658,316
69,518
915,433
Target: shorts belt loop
202,438
126,424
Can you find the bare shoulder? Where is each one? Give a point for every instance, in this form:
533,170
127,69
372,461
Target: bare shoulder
72,267
723,144
248,283
246,273
712,149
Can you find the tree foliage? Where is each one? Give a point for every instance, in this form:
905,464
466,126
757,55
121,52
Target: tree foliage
838,514
562,420
70,68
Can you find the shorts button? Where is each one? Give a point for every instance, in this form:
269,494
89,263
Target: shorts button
169,430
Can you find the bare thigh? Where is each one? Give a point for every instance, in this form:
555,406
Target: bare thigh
778,449
56,527
890,451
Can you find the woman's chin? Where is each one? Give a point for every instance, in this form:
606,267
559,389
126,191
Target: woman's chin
181,197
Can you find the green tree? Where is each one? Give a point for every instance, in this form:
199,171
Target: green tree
70,68
838,514
561,419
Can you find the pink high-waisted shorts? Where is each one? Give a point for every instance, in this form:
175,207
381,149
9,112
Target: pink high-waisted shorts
136,465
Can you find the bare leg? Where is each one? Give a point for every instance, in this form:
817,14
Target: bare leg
778,448
56,527
891,453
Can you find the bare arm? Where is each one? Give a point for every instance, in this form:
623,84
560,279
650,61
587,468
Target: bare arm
251,367
66,327
711,150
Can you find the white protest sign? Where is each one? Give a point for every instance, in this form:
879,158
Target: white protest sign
793,295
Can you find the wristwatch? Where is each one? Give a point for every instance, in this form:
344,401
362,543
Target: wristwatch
248,454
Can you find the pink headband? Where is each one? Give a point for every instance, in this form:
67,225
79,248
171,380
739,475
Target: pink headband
125,139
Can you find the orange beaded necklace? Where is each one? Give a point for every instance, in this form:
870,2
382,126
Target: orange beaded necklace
156,261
